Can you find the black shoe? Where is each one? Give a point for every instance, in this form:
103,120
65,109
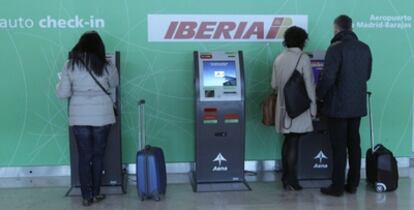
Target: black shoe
87,202
350,189
331,191
99,198
292,186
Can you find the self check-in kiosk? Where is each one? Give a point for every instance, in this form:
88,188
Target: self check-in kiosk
220,122
314,165
317,62
113,179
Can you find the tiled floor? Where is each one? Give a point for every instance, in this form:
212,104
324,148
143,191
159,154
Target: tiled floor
48,193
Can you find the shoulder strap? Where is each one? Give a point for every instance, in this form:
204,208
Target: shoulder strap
297,63
94,78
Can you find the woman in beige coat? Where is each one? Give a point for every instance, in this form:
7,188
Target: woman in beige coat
283,67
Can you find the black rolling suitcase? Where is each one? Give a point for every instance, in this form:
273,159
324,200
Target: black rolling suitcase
381,165
150,166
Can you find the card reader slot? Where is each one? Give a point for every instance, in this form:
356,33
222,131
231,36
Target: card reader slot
230,92
220,134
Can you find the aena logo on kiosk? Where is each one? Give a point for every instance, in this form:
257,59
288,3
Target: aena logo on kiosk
220,159
320,156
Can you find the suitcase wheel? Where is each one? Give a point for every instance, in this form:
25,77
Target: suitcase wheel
380,187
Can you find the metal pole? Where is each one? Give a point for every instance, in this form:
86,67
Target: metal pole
141,131
371,126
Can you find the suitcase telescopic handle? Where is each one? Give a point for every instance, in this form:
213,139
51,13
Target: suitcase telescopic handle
371,126
141,117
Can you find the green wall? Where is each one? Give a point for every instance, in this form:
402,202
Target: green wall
33,122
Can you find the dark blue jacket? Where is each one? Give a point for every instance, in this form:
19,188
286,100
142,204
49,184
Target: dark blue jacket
343,83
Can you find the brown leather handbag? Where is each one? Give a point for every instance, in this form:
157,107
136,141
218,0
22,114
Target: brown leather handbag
269,109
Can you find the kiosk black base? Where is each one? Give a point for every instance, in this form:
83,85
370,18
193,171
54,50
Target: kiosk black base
315,157
315,183
105,189
219,186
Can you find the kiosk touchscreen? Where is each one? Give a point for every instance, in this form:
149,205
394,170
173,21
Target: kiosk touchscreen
317,62
219,81
113,179
220,122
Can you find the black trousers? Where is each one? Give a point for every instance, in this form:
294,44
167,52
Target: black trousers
289,158
91,143
345,139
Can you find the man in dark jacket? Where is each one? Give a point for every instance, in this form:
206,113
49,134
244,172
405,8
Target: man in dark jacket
342,92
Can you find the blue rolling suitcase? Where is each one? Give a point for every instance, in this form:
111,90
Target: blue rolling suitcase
150,166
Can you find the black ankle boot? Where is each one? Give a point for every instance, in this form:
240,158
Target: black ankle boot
332,191
99,198
350,189
87,202
292,186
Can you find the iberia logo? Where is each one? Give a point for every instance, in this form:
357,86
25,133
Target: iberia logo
220,28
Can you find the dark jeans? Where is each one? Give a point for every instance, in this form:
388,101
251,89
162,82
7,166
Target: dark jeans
344,135
289,158
91,142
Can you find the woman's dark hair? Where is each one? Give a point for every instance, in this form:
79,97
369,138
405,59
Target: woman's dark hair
295,37
90,50
343,22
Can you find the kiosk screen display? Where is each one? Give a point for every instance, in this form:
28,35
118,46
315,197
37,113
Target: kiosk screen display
317,67
219,74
